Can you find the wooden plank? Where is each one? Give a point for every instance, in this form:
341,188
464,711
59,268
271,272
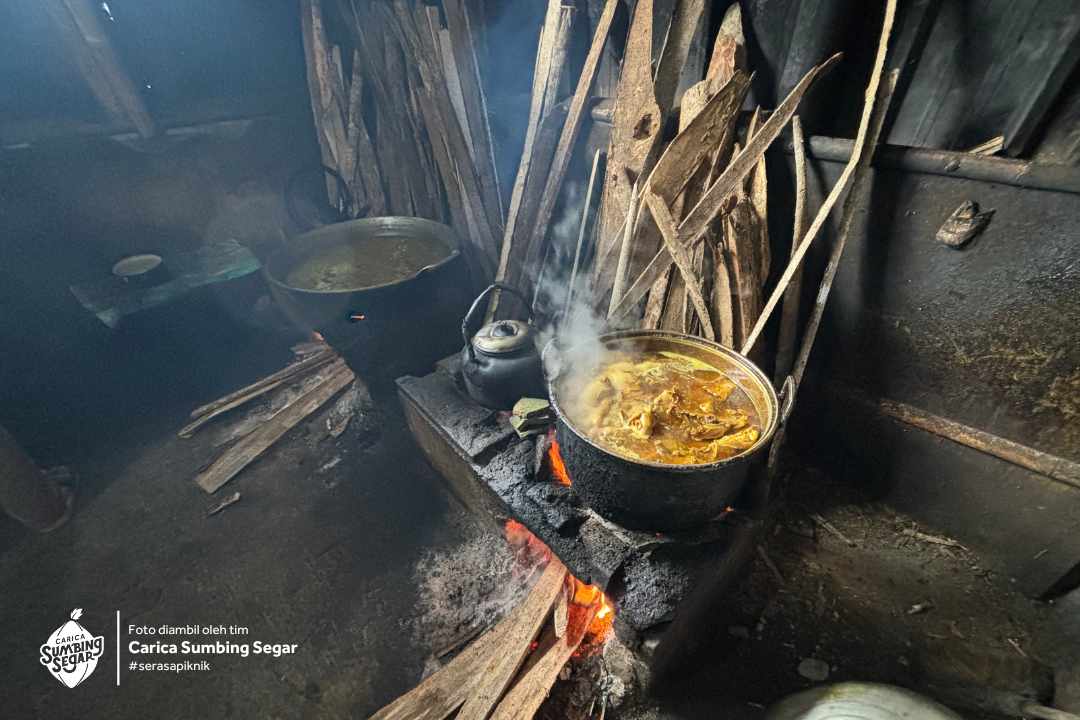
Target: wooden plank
710,204
366,162
728,57
759,202
687,22
729,50
463,42
92,53
721,306
206,413
635,133
237,457
740,236
677,251
625,248
686,162
702,136
1052,466
567,140
532,686
476,678
554,39
543,155
697,221
444,691
421,43
480,266
315,57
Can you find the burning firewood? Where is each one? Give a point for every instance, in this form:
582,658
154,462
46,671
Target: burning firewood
509,670
476,679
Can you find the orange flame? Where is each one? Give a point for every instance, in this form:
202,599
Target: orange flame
558,467
602,621
586,601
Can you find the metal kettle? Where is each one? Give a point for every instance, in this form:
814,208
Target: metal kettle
500,362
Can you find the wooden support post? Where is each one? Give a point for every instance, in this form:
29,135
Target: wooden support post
89,47
26,494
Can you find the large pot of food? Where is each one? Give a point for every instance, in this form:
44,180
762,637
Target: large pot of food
387,293
658,429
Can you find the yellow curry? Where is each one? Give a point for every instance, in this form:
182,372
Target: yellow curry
665,407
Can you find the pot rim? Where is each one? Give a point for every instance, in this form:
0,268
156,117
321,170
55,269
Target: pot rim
444,231
745,363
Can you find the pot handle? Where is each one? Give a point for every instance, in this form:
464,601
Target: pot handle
787,399
474,311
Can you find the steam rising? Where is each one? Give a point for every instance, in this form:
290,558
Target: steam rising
569,334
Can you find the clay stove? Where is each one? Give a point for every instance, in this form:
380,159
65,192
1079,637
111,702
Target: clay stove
663,586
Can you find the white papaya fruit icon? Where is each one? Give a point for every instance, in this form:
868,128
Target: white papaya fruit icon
71,653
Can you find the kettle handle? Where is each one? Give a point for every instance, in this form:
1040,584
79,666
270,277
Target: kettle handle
470,316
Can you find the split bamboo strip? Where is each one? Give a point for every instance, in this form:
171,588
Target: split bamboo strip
862,145
789,316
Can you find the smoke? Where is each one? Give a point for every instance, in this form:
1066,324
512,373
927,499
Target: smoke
569,326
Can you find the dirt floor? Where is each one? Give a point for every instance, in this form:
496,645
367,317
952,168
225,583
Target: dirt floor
321,550
350,548
846,587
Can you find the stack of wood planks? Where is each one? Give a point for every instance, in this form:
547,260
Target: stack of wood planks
507,672
694,255
682,240
402,117
323,376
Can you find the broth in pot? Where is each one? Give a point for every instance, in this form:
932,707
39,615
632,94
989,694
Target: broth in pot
665,407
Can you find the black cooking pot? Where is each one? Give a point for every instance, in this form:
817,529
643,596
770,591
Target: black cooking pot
384,330
655,496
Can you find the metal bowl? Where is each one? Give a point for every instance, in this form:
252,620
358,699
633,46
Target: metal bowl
658,496
858,701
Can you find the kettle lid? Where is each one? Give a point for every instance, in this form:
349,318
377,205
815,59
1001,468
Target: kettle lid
504,337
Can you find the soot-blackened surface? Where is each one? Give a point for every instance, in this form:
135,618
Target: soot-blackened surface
647,573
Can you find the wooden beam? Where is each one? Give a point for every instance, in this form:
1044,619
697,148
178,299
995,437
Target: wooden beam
206,413
687,22
90,49
666,223
534,683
